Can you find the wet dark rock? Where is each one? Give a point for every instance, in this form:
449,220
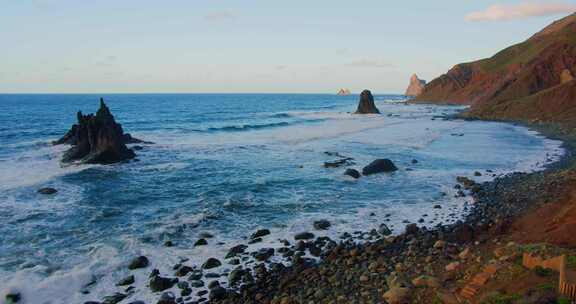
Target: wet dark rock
437,207
218,293
384,230
97,139
47,190
411,229
213,284
158,283
322,224
352,172
379,166
236,276
254,241
339,163
195,275
126,281
236,250
264,254
184,270
115,298
201,242
366,104
197,283
211,275
414,161
206,235
139,262
260,233
167,298
13,297
168,244
304,236
154,272
211,263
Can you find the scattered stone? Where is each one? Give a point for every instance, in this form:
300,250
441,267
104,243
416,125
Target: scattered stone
236,250
158,283
304,236
452,266
218,293
139,262
384,230
168,244
167,298
379,166
126,281
412,229
260,233
211,263
426,281
115,298
184,270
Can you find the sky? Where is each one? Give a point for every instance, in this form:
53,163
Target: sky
251,46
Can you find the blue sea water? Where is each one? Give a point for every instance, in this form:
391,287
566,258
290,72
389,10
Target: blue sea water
226,164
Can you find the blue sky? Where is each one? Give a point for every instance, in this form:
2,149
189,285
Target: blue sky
251,45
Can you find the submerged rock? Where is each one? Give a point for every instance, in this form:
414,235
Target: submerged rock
366,104
47,190
322,224
97,139
211,263
378,166
352,172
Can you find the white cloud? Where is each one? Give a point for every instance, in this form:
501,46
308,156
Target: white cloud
501,12
220,16
369,63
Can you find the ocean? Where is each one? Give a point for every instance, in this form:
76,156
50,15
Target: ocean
226,165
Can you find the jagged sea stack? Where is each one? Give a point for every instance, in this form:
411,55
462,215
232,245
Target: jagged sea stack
416,86
97,139
366,104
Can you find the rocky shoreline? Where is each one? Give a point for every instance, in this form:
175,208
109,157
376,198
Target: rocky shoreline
360,267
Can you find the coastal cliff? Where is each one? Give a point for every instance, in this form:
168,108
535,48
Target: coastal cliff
529,81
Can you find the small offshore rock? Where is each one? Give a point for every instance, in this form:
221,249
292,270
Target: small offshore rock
352,172
384,230
322,225
139,262
47,190
379,166
200,242
260,233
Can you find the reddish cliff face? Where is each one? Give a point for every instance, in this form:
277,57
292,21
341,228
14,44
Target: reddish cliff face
530,80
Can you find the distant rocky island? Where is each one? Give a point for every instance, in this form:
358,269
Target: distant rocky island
530,81
97,139
416,86
344,92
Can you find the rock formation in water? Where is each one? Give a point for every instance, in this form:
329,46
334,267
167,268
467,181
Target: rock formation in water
530,81
366,104
416,86
97,139
343,92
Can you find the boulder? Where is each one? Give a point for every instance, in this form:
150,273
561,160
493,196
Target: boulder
304,236
416,86
139,262
97,139
158,283
366,104
260,233
211,263
397,295
378,166
126,281
352,172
